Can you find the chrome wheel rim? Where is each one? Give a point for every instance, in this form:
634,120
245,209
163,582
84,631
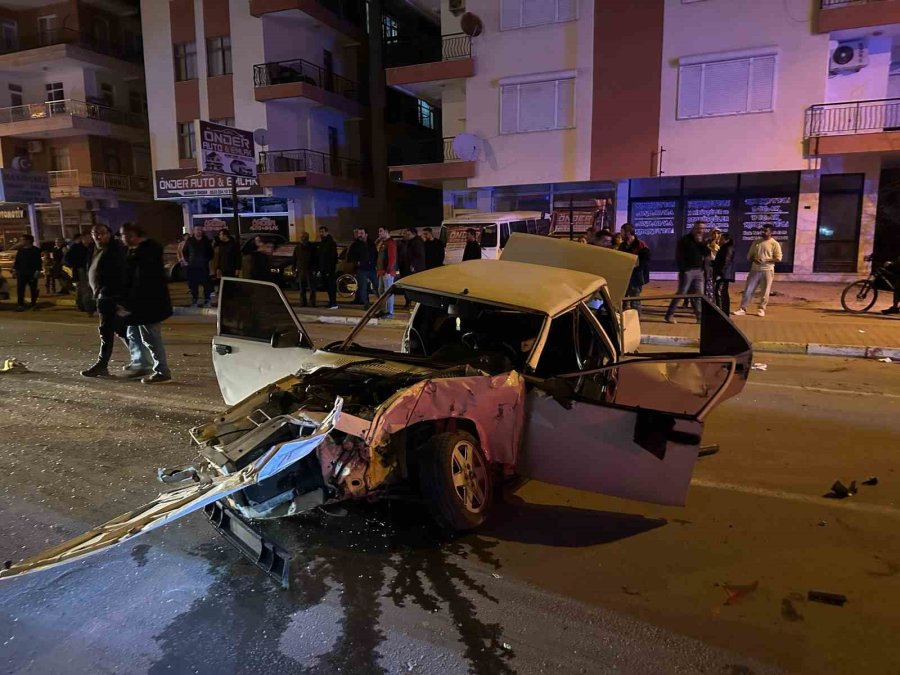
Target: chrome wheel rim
470,477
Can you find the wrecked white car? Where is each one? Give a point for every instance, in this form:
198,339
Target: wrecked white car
506,368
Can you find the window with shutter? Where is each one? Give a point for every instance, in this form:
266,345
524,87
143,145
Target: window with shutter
537,106
509,109
727,87
525,13
510,14
537,12
565,104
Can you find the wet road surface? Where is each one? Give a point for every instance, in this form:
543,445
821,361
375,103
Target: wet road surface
557,581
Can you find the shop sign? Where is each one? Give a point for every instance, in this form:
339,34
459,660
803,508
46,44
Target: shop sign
12,214
265,225
187,183
24,187
225,150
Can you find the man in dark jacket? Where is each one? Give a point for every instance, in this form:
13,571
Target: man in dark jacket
106,275
640,275
327,260
257,262
690,255
415,251
723,272
434,249
145,305
362,256
77,258
198,254
226,256
305,265
28,271
472,251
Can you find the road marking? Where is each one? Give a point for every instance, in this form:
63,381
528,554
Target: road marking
822,390
814,500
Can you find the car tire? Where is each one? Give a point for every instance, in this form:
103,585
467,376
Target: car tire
450,466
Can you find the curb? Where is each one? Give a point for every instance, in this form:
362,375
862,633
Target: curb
812,348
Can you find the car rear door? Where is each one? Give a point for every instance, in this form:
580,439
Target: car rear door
258,338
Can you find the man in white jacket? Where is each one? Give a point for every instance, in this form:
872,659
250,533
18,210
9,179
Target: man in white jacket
763,255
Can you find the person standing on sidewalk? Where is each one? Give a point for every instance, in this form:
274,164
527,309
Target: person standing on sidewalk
690,255
640,275
328,259
58,253
763,255
145,305
386,268
362,256
27,266
723,272
305,269
226,257
198,254
434,249
77,259
415,251
107,278
472,251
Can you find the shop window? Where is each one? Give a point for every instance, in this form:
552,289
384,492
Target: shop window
185,61
218,56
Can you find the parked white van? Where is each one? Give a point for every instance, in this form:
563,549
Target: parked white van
492,231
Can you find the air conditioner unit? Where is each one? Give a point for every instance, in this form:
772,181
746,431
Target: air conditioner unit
35,147
848,57
457,7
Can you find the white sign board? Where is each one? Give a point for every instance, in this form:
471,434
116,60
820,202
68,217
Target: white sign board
224,150
24,187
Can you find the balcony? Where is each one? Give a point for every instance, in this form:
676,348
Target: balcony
835,15
304,80
346,17
428,162
98,185
56,119
61,44
854,126
308,168
420,66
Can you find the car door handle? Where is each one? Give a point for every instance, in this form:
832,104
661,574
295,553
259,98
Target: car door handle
222,350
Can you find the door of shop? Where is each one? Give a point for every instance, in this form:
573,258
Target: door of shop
837,232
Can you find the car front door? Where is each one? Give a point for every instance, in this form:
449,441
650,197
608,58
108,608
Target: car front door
258,338
631,429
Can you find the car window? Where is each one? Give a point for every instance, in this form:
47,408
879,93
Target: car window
252,310
573,345
504,234
489,237
600,307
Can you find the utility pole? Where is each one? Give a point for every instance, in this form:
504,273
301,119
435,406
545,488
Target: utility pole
378,150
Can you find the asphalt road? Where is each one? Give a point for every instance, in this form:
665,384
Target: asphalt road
558,580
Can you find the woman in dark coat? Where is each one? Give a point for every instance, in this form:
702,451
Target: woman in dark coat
723,272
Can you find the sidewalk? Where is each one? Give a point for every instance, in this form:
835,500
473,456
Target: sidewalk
802,318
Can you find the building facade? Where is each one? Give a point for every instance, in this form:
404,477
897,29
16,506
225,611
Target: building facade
73,104
737,112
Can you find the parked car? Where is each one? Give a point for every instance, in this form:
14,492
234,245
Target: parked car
492,231
507,367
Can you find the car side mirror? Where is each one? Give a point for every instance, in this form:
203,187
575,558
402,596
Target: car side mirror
289,337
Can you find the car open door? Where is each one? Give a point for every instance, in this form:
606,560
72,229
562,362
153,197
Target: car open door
631,430
258,338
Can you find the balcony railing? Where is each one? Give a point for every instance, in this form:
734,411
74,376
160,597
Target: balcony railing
410,51
298,70
854,117
431,151
73,179
60,36
275,161
70,108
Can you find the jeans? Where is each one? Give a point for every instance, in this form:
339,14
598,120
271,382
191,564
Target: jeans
634,291
690,283
723,299
197,277
753,280
363,279
385,281
330,283
32,285
147,349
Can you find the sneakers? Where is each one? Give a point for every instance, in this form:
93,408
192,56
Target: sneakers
96,370
20,308
136,373
156,378
761,312
334,307
671,319
891,310
740,312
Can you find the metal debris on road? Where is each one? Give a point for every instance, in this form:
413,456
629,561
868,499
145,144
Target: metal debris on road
789,612
707,450
13,366
826,598
759,366
841,491
886,359
871,481
737,593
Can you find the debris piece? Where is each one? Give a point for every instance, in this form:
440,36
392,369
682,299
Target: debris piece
507,646
495,575
826,598
707,450
759,366
822,523
13,366
789,612
737,593
871,481
630,591
861,330
841,491
886,359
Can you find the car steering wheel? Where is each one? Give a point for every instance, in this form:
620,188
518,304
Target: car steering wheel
476,341
420,340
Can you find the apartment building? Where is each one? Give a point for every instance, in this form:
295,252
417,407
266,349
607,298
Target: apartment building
298,73
73,104
737,112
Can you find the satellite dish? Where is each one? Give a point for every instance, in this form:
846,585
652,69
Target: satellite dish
471,25
261,136
467,147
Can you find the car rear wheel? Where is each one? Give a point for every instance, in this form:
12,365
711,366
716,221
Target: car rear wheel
456,480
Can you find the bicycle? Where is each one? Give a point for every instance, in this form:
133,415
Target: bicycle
861,295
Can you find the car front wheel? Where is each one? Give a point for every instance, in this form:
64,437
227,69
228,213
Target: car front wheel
456,480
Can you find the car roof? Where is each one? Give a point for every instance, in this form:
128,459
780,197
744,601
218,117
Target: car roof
538,288
492,217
